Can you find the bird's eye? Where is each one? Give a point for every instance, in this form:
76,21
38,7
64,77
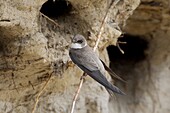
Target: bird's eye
80,41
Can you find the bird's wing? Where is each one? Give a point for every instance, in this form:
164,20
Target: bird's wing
88,60
89,65
100,78
111,72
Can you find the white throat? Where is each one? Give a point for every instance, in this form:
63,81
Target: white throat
77,46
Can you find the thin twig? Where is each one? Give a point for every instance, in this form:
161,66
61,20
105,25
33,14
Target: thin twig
39,94
95,47
77,92
50,19
76,95
120,49
100,31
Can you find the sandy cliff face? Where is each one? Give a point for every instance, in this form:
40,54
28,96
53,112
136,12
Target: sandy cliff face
32,47
148,76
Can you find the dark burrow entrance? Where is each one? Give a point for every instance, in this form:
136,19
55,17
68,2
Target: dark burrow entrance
134,52
63,18
56,8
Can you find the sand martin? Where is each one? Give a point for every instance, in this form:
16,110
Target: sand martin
87,60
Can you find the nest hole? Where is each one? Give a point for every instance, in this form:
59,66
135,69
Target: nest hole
56,8
134,52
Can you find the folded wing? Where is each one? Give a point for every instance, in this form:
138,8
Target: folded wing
111,72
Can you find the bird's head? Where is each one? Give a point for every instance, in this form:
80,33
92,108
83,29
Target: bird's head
78,42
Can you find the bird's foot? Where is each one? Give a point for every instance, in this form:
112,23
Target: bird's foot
70,64
83,76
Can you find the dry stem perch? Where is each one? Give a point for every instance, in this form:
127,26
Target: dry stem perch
39,94
95,47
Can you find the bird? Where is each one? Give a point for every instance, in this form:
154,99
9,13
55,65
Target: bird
87,60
